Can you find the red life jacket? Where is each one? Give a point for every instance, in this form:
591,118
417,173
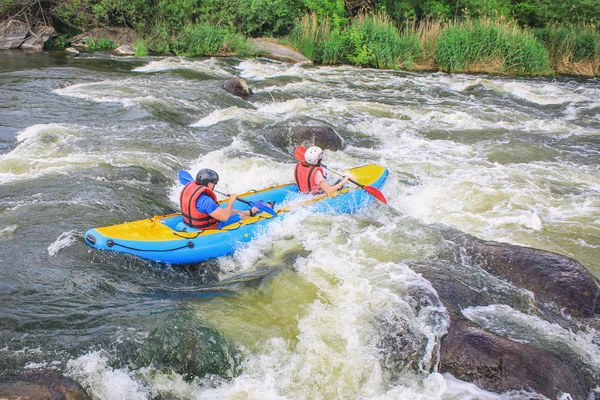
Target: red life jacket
191,216
305,178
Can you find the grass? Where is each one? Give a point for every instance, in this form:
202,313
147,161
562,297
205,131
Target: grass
573,50
491,46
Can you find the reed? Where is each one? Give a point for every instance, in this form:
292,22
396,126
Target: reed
200,40
375,42
573,50
428,33
304,35
491,46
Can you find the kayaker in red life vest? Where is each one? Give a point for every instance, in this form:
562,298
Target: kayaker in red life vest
310,177
199,204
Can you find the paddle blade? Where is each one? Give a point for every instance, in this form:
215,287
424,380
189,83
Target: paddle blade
373,191
263,207
299,153
184,177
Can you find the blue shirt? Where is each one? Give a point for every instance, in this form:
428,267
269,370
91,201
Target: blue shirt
206,205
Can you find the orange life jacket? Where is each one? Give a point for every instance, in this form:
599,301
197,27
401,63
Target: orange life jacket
305,177
191,216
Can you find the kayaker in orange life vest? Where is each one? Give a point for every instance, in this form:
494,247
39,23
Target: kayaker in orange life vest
199,204
310,177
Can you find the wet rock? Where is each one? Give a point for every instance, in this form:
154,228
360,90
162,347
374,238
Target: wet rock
184,345
37,37
12,34
36,385
268,48
119,36
322,136
553,278
124,50
499,364
461,286
72,51
238,87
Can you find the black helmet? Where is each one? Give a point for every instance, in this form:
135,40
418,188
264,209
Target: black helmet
205,175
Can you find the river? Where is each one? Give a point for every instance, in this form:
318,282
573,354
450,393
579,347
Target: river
300,312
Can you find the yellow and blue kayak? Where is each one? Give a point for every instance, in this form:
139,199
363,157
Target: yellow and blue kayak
166,238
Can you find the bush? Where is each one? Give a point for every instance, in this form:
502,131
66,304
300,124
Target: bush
374,42
492,47
267,18
100,44
201,40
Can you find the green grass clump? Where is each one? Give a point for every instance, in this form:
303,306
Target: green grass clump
100,44
375,42
572,49
141,50
200,40
491,46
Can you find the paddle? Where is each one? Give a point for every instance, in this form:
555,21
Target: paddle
185,178
373,191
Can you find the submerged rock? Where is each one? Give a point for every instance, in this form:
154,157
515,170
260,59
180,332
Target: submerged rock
238,87
36,385
322,136
499,364
492,361
553,278
184,345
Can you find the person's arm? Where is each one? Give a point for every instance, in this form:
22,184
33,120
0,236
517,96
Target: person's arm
223,214
330,189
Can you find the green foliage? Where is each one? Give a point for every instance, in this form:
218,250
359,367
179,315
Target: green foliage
334,48
374,42
398,10
569,42
200,40
100,44
486,8
333,10
237,44
141,50
273,17
88,13
479,43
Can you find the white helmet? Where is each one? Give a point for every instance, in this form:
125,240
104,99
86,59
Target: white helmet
313,155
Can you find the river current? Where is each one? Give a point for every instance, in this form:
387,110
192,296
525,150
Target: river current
303,311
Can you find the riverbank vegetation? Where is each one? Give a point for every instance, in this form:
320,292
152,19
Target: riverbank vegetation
525,37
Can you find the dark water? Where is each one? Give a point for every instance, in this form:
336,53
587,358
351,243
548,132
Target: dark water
98,140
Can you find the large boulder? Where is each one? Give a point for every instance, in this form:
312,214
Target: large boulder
491,361
553,278
12,34
322,136
268,48
499,364
237,87
36,385
38,37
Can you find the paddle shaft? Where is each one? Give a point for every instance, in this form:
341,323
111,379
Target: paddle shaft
237,198
343,176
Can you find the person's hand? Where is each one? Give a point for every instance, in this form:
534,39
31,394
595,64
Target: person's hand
232,198
346,179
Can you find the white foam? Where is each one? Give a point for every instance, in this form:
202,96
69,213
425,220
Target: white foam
64,240
506,321
102,381
209,66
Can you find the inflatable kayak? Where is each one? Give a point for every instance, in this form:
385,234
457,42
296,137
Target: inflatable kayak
166,238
